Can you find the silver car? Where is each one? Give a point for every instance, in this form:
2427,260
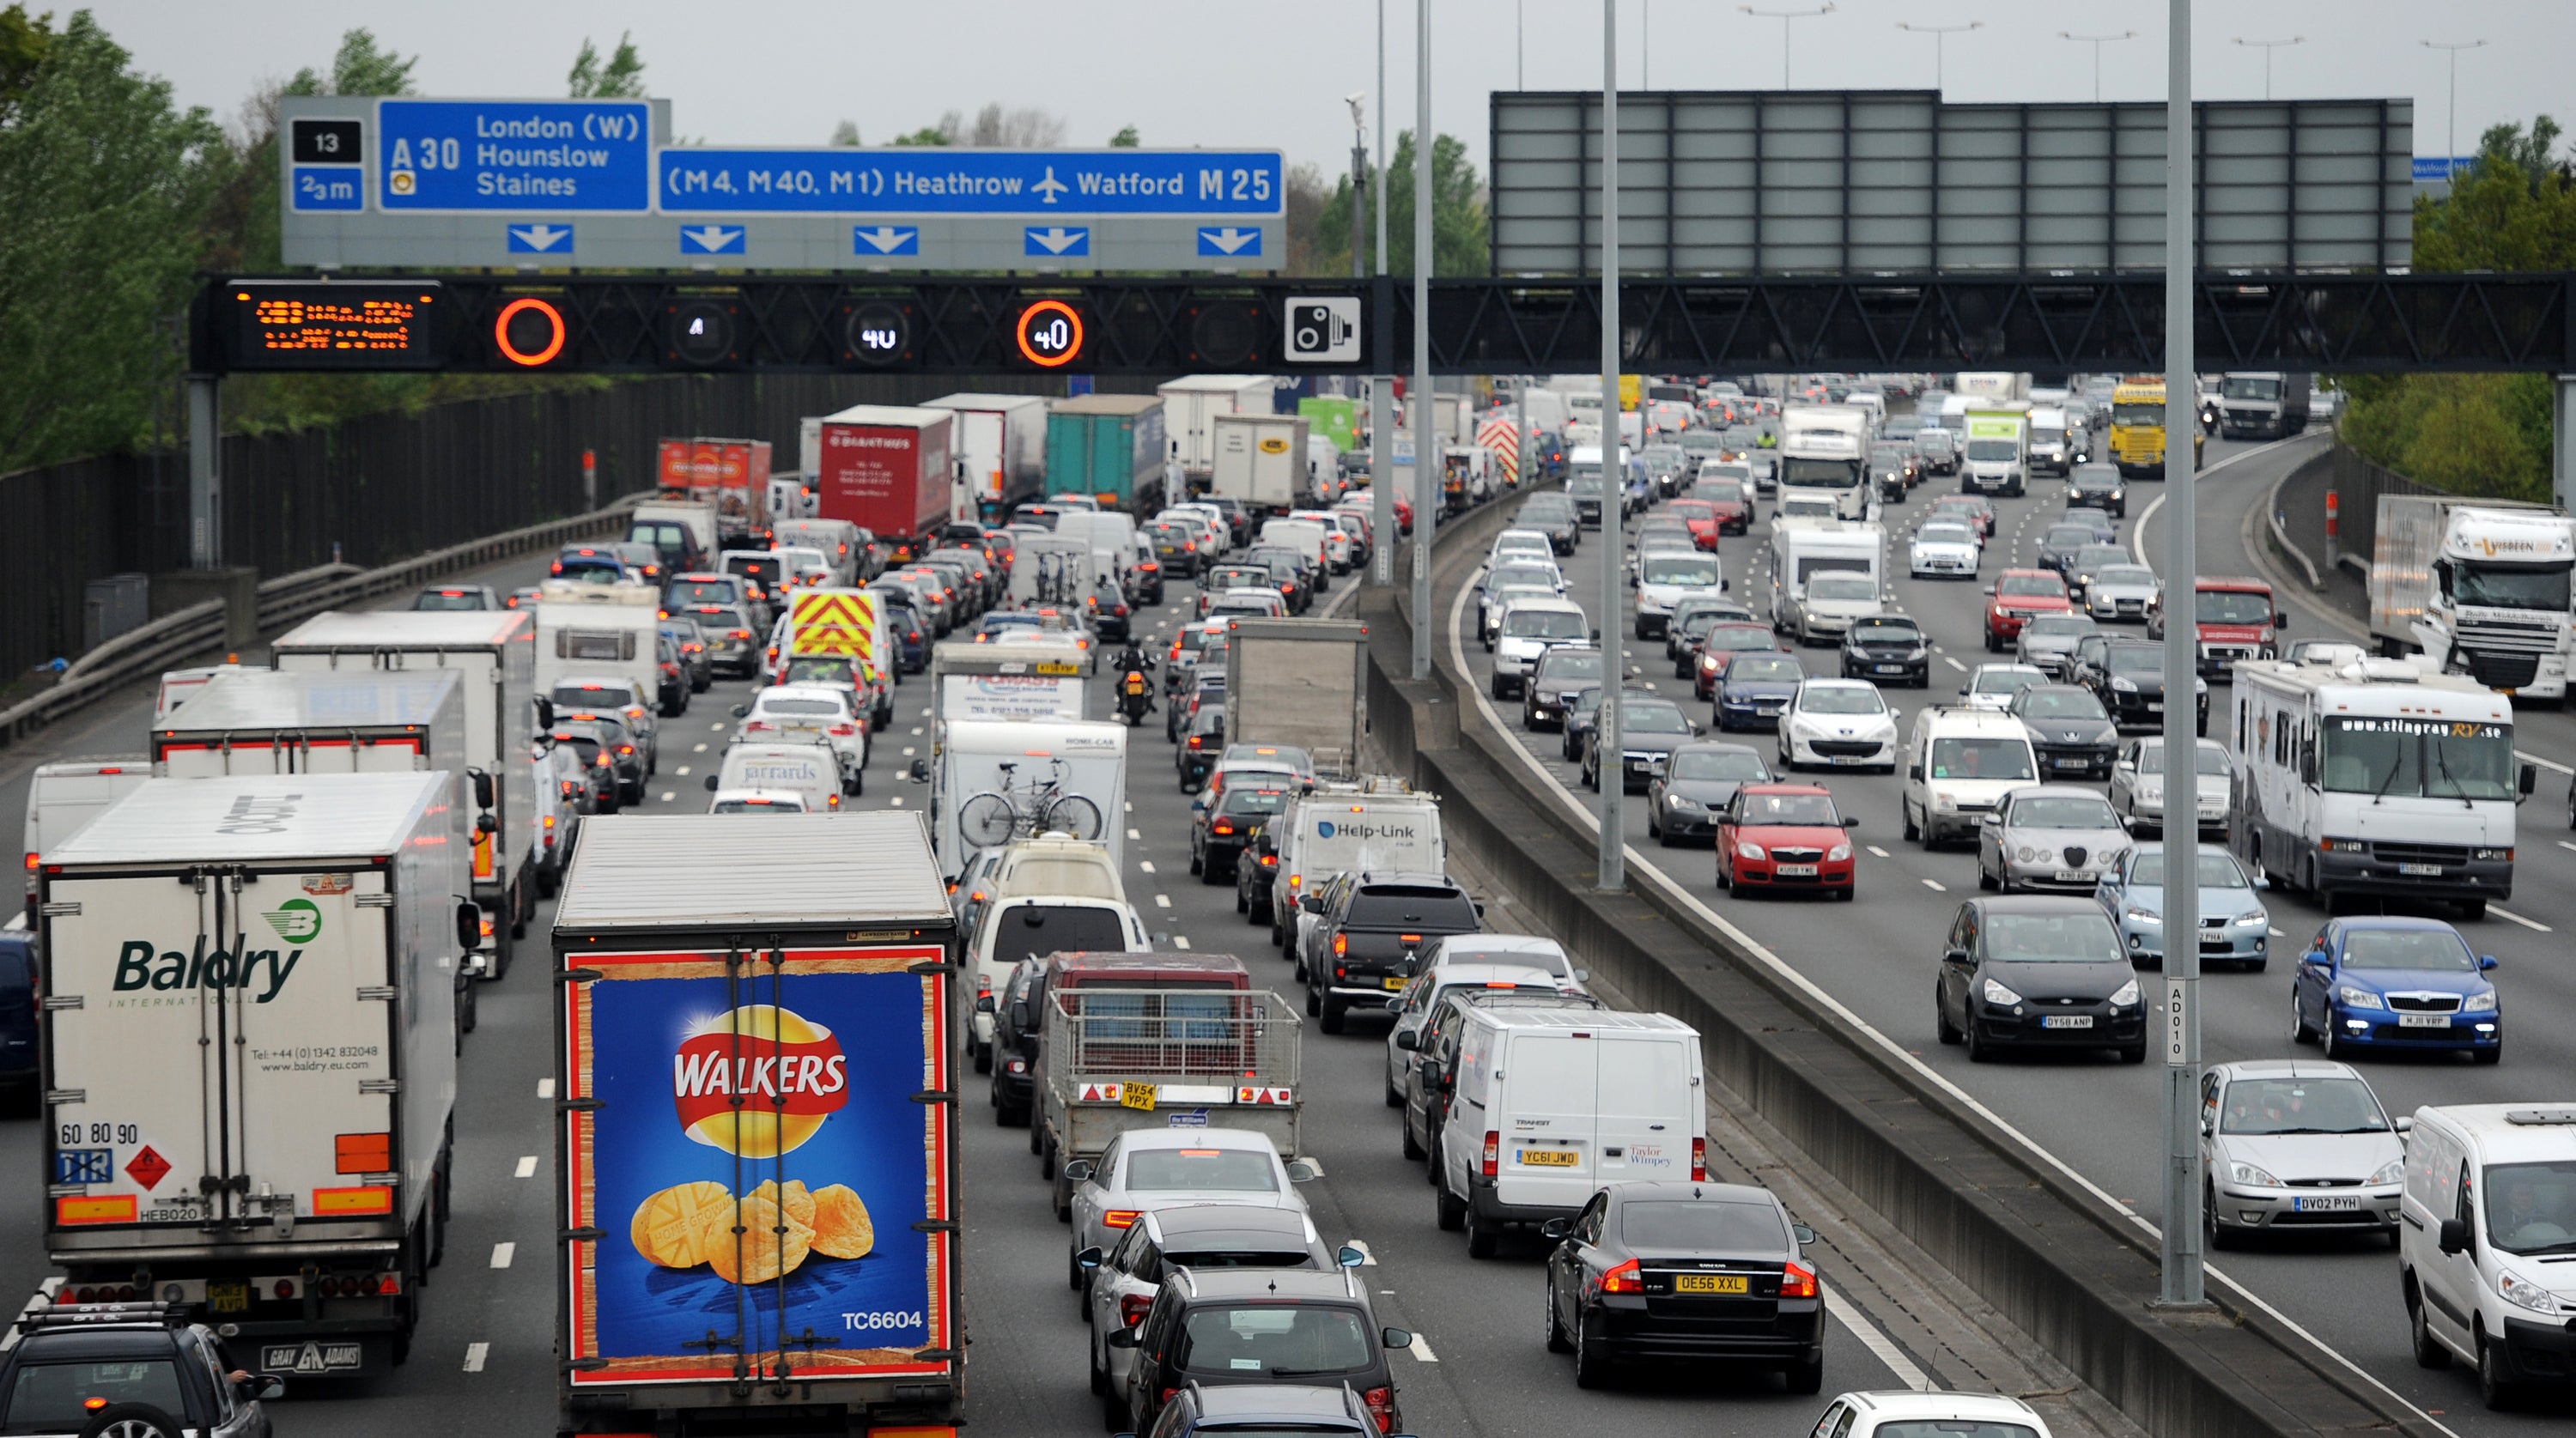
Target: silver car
2234,926
2048,641
1147,1169
2298,1144
2121,593
2138,786
2048,838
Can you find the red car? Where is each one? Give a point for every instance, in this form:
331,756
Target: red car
2235,619
2015,596
1701,516
1718,648
1728,497
1784,836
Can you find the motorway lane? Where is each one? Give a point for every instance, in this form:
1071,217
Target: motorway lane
1876,954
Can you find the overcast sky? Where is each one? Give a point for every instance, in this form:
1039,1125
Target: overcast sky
1235,73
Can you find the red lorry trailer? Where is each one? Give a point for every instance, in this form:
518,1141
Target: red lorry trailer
888,470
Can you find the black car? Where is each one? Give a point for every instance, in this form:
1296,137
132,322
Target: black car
133,1368
1213,1327
2061,543
1650,728
1554,514
1586,490
1887,649
1369,935
1196,755
910,627
19,1072
2093,557
1582,710
1218,834
606,746
2071,734
1110,612
1560,671
1018,1014
2098,486
2039,972
1673,1271
1253,869
1690,623
1698,782
2128,676
1288,572
731,645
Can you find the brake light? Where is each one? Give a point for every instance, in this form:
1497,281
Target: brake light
550,821
1626,1278
842,731
1132,1308
1797,1280
1381,1406
1341,945
1296,881
745,634
487,926
1408,938
1122,1217
603,761
31,863
1270,861
1699,1160
1493,1151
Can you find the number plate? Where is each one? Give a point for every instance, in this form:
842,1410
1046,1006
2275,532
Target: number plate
1711,1283
228,1297
2423,1021
2430,871
1846,760
1550,1158
2155,706
1136,1095
1797,871
2327,1203
2067,1021
1393,984
2067,763
2073,876
1889,668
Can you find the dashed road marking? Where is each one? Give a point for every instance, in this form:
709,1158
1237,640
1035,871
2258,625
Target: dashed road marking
545,1088
2510,917
907,751
1953,663
701,749
1145,865
1421,1350
475,1353
719,728
682,771
1935,886
527,1167
1132,834
898,801
1873,848
1162,901
502,1253
670,794
2565,845
916,731
1180,941
1367,1258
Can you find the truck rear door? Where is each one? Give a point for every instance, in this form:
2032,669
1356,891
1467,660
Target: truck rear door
1546,1151
223,1049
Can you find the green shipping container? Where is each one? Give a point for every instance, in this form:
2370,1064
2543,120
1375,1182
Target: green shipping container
1109,446
1335,417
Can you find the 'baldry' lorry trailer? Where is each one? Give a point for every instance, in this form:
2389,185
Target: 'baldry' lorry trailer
1191,405
1300,682
1261,461
250,1045
495,652
756,1144
885,468
2479,587
1001,452
1111,447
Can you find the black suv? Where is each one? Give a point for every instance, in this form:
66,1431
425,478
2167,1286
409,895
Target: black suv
1018,1014
1235,1327
135,1369
1369,935
2128,676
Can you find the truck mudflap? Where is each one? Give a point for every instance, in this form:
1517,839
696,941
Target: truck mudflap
759,1200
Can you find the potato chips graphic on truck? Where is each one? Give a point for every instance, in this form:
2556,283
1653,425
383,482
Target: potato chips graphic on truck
758,1212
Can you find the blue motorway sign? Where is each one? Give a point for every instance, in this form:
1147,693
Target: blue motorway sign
2434,169
929,181
519,155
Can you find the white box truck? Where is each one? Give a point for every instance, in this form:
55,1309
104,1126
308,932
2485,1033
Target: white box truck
1048,775
999,447
1262,461
250,1044
2478,587
1995,455
1190,407
1300,682
495,652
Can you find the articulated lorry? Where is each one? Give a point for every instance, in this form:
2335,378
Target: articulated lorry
250,1038
2263,405
1191,405
2478,587
729,476
1262,461
887,469
1001,452
1300,682
757,1207
1111,447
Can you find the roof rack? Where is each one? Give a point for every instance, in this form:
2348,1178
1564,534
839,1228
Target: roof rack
40,1316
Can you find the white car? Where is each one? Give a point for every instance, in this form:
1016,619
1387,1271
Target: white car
1520,578
1511,544
1839,724
1666,578
1944,551
1903,1410
817,710
2121,591
562,787
1992,686
1528,629
1338,549
1144,1170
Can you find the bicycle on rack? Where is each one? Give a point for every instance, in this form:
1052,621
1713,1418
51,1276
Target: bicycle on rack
1022,808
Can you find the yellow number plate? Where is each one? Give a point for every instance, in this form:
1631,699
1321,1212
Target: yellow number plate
228,1297
1136,1095
1710,1283
1550,1158
1393,984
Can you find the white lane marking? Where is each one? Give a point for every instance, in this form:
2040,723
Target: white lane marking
2138,531
1312,1162
2565,845
527,1167
682,771
719,728
1873,848
1953,663
2279,934
916,731
1881,1346
898,801
1896,1052
1368,1259
475,1353
701,749
1422,1350
668,795
1162,901
2510,917
925,713
1132,834
545,1088
1128,805
2551,764
1935,886
907,751
502,1254
1180,941
1146,865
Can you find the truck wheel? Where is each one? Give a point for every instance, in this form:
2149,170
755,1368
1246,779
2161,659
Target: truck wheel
1334,1015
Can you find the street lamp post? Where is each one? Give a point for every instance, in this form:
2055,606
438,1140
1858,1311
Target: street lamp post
1426,454
1382,338
2451,120
1940,42
1785,17
1611,862
1360,188
2097,42
2267,47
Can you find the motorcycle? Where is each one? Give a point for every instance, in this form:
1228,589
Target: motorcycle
1135,697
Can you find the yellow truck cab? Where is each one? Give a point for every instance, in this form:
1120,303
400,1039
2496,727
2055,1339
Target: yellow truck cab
2138,429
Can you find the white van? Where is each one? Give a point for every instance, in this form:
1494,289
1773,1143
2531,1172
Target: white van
1549,1105
1306,536
808,773
837,540
1371,824
2482,1242
1958,766
63,797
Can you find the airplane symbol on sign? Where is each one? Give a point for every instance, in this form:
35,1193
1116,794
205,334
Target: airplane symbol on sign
1050,187
1058,240
712,239
888,240
540,238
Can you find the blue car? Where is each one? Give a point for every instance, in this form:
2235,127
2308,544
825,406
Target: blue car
2396,983
1755,688
911,632
18,1074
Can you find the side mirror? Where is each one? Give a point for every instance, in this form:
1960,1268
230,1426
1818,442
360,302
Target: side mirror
545,712
2486,963
919,773
1310,903
1079,1171
711,783
1089,1258
2527,779
2405,1123
1954,956
469,924
1434,1075
1350,1256
1409,1040
741,711
1596,636
1480,908
1396,1338
1850,822
1300,1171
1991,819
483,789
1913,771
2454,1237
1555,1228
1393,1002
2261,883
1802,1233
984,1003
262,1386
1122,1338
2280,620
1989,589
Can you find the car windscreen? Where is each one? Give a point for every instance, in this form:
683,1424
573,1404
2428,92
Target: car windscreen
1944,534
2058,626
1033,931
2208,759
798,708
1754,667
2060,701
2125,574
1638,718
1225,1170
1683,1226
1841,699
2217,871
1886,631
2237,606
757,806
2134,658
1842,588
449,599
2531,1207
1812,810
2079,938
2063,811
1742,765
1273,1340
1571,666
2301,1105
2433,950
1972,758
1391,906
1740,636
1993,451
2004,681
2031,585
1545,624
1241,802
590,696
2068,536
818,669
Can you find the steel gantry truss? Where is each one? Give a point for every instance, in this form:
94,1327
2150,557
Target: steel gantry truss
1714,325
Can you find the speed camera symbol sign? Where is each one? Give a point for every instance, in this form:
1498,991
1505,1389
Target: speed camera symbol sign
1324,330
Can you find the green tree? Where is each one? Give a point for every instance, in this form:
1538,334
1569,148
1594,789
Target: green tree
1460,241
102,178
622,78
1125,139
362,67
23,43
845,133
944,133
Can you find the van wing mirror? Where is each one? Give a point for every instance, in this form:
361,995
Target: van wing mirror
2527,779
545,712
469,924
2454,1236
711,783
483,787
1396,1338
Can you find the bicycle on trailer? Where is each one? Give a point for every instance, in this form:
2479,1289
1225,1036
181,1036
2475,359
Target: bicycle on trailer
1021,808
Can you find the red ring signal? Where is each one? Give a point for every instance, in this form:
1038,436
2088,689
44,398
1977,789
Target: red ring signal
1072,328
511,352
